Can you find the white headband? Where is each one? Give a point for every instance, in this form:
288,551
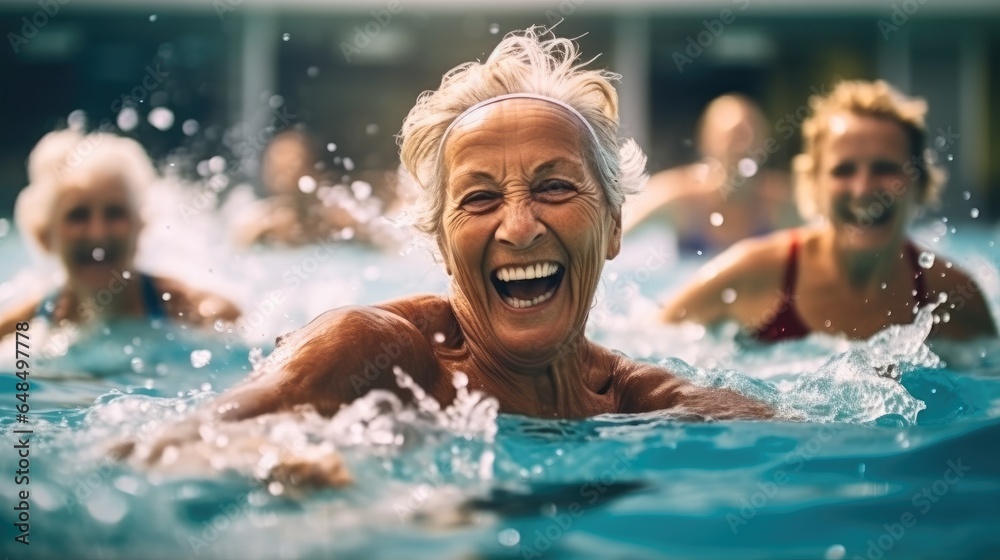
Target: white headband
505,97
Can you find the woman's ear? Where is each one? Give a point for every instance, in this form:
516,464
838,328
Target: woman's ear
615,241
44,240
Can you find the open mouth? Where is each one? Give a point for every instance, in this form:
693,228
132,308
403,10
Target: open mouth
529,285
865,218
95,255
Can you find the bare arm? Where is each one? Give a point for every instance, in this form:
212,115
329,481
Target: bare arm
968,310
11,317
198,307
337,358
651,388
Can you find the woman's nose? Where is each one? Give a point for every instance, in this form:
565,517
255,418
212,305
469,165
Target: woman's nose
520,227
864,182
97,229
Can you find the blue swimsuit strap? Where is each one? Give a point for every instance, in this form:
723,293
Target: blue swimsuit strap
150,300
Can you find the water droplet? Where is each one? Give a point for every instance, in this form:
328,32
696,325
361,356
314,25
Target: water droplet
884,285
286,36
190,127
459,380
728,295
161,118
307,184
716,219
77,120
827,323
166,296
127,119
312,71
348,164
747,167
494,28
926,260
699,253
217,164
974,213
200,358
439,337
331,147
945,317
951,157
933,391
509,537
276,488
152,18
98,254
106,506
126,274
835,552
138,365
966,195
275,101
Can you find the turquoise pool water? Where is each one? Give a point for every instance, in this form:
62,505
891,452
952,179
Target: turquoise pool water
876,469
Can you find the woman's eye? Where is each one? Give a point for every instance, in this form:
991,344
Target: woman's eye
886,168
78,215
480,201
842,170
556,190
114,213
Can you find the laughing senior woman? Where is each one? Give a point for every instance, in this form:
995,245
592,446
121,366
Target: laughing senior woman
862,178
523,176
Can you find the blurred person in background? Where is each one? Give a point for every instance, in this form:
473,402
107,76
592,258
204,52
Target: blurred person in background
727,195
863,175
84,208
303,205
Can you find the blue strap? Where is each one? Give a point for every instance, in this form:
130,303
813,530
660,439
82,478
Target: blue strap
150,299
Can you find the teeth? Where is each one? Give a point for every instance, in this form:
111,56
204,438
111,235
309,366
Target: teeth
521,304
530,272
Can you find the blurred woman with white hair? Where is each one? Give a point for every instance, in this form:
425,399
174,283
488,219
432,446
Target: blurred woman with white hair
84,209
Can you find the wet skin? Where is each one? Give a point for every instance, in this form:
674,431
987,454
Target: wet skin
867,194
518,192
93,232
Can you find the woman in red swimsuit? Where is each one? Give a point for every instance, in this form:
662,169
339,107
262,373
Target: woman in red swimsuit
862,177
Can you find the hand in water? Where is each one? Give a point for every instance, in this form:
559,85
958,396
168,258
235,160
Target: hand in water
199,447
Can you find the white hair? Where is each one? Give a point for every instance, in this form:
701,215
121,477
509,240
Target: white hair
532,61
67,155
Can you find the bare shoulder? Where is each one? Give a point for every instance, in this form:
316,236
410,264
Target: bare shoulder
194,305
967,308
19,313
753,268
336,358
648,387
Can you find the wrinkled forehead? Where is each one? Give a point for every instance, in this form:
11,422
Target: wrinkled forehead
855,132
93,186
